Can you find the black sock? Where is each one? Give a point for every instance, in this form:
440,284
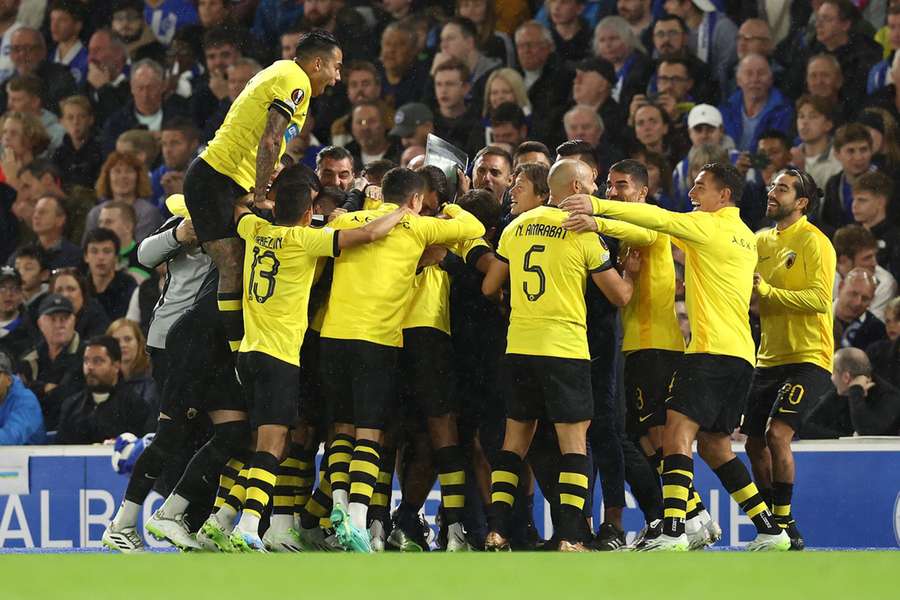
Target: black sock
232,315
736,479
152,461
781,500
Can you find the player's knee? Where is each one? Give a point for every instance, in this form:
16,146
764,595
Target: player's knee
779,435
232,437
170,435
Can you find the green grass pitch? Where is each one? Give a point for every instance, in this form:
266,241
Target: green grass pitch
694,576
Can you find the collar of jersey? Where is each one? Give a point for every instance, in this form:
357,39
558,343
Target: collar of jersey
790,230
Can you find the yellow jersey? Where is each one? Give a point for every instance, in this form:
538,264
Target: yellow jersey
548,269
720,259
283,86
649,319
372,283
279,265
795,306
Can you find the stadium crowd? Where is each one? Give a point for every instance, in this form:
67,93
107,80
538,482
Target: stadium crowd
106,104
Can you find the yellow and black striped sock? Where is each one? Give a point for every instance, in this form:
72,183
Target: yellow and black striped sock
227,479
736,479
319,505
287,482
694,503
363,475
782,494
574,470
451,465
339,457
232,316
677,478
260,483
306,466
380,504
504,483
238,492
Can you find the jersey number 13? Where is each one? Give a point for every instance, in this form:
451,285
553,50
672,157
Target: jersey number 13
262,279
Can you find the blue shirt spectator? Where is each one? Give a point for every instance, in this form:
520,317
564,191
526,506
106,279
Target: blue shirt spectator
168,16
756,106
274,17
21,421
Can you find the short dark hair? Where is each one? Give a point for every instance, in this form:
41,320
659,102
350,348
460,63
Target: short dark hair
360,65
774,134
578,148
75,8
850,240
183,124
377,168
532,146
293,193
466,26
222,35
333,153
100,235
495,151
537,174
805,187
728,177
316,43
677,60
42,166
483,206
634,169
847,11
30,84
508,112
113,350
336,195
822,105
34,251
400,184
670,17
435,181
455,65
61,204
124,208
876,183
850,133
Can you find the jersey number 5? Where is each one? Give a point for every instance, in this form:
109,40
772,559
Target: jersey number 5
528,267
258,272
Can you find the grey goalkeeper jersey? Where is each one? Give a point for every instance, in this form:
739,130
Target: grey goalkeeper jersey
186,269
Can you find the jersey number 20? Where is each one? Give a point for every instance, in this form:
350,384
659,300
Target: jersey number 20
528,267
258,272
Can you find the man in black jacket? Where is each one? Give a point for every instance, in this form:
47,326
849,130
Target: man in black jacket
104,407
860,404
28,52
106,85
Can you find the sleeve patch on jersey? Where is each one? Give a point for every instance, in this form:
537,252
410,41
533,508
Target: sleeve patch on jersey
297,96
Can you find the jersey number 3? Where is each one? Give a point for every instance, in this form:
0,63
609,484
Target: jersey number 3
258,271
529,267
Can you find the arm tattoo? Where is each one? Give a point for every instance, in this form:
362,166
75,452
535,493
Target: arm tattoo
269,144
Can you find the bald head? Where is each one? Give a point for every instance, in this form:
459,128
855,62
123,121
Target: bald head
849,363
568,177
754,37
754,76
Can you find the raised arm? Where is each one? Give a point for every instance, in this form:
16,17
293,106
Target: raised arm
461,225
637,237
687,226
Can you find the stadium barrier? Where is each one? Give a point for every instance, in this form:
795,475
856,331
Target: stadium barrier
847,496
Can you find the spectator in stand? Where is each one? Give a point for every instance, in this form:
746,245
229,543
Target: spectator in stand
674,85
28,52
756,106
508,125
31,264
272,17
824,79
80,156
653,131
215,13
885,354
854,324
125,178
872,193
23,138
454,120
571,33
615,42
670,41
111,286
23,94
755,37
712,35
49,222
54,367
334,167
166,17
147,109
105,406
36,179
459,42
492,171
238,75
221,49
774,148
704,126
363,85
179,141
491,43
639,15
860,403
885,139
119,217
412,124
90,317
879,75
547,80
815,153
21,421
128,23
403,77
593,86
857,248
106,84
17,334
135,361
66,23
659,178
141,144
8,26
853,148
370,141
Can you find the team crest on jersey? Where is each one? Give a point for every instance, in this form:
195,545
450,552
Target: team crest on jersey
297,96
791,259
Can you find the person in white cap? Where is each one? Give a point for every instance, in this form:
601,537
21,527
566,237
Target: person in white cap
704,127
713,36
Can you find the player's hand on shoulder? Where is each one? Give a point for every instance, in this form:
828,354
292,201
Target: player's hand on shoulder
336,213
630,261
579,204
185,234
432,256
579,223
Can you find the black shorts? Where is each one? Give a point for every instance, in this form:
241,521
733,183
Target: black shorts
712,390
648,375
785,393
201,366
311,410
271,388
359,381
425,372
210,197
538,387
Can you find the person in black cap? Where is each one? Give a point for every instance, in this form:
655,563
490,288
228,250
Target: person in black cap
592,86
53,368
412,124
16,334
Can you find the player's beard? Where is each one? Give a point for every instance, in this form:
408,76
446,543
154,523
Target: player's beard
778,213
